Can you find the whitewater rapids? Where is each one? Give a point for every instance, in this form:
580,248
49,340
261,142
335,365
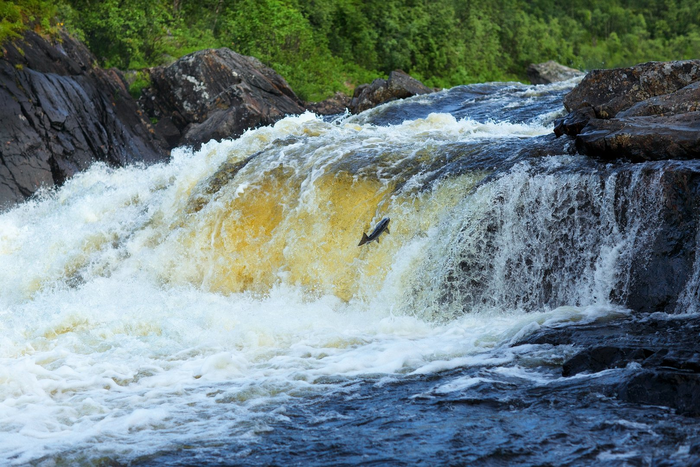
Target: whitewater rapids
153,308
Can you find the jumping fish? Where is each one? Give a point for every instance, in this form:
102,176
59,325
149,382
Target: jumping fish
383,226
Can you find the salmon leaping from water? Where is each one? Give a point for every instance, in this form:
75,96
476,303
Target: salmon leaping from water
382,227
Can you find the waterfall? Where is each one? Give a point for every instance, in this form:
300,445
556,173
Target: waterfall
151,307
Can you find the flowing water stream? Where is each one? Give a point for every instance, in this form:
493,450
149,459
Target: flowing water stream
218,310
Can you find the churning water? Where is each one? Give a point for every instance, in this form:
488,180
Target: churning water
207,308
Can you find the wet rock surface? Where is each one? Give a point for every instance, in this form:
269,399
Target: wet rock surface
642,138
399,86
60,113
551,72
216,94
645,112
660,354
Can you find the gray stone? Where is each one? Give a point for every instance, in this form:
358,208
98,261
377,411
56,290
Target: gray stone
399,86
216,94
551,72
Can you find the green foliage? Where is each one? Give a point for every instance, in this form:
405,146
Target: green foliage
322,46
141,81
18,15
11,24
127,34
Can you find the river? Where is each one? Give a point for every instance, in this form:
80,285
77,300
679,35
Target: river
217,309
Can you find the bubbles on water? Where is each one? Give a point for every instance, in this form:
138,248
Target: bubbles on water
152,308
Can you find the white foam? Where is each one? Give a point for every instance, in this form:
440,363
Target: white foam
106,346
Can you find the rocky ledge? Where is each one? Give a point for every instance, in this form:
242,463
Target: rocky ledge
657,357
646,112
61,113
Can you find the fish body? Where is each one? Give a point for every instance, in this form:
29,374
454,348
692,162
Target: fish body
382,227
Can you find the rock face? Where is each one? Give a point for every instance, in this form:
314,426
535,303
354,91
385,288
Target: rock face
59,113
646,112
399,86
216,94
550,72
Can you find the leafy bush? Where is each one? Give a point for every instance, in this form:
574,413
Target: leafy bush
16,16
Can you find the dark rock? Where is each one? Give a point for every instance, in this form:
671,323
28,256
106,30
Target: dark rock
611,91
550,72
666,349
664,335
399,86
679,359
168,131
661,275
573,123
642,138
65,56
678,390
216,94
685,100
60,113
337,104
642,113
598,359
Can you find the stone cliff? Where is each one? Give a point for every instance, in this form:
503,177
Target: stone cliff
59,113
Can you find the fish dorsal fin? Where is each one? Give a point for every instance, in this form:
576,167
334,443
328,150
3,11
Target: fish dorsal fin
364,239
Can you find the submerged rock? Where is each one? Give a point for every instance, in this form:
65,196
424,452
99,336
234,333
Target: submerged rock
399,86
598,359
550,72
646,112
216,94
658,358
59,113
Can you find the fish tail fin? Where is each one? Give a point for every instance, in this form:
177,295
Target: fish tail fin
364,239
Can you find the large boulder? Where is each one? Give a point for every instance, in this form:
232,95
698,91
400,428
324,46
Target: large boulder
646,112
611,91
551,72
399,86
59,113
216,94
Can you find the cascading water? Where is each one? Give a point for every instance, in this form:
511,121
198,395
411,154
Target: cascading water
151,310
